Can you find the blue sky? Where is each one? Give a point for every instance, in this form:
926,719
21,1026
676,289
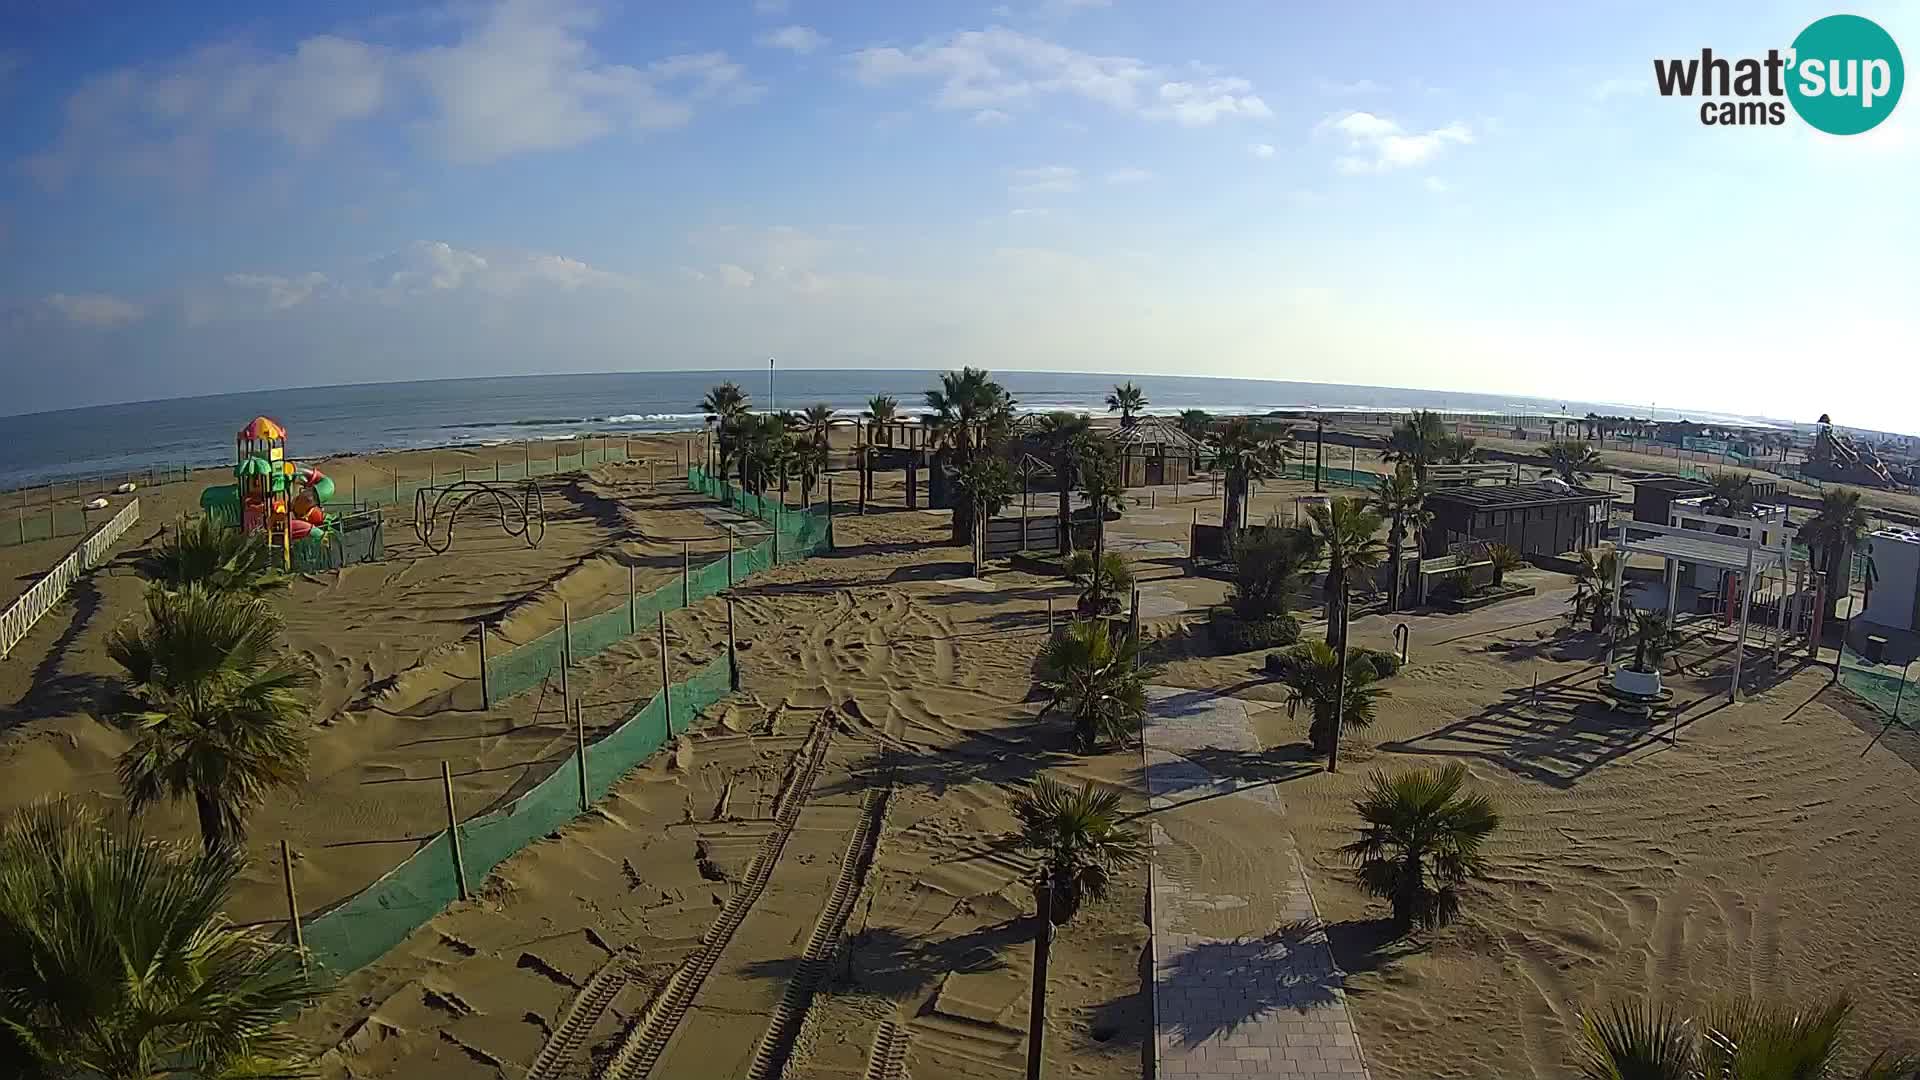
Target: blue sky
1482,197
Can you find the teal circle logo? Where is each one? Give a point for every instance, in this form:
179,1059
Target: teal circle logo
1846,75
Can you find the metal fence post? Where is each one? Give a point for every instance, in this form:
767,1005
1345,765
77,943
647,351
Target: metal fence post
566,636
730,556
830,544
1133,616
1049,616
686,575
633,617
453,831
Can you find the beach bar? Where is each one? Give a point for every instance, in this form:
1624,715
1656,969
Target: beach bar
1545,517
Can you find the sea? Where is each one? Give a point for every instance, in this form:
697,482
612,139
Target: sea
325,421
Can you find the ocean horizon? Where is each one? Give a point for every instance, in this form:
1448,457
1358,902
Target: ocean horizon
327,421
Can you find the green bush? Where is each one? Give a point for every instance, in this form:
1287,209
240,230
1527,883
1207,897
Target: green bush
1384,664
1233,633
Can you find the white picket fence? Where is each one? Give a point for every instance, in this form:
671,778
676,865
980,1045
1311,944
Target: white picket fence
47,592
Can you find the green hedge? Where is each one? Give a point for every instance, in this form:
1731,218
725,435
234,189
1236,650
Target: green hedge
1233,633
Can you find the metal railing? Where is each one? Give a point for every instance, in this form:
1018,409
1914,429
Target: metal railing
46,592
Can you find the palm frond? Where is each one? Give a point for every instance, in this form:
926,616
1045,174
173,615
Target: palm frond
1636,1043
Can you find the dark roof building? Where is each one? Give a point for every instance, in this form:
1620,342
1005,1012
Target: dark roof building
1542,518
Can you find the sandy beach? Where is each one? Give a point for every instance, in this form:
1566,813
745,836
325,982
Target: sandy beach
854,792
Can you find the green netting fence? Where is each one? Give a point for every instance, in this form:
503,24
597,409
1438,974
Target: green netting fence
1882,685
399,489
380,917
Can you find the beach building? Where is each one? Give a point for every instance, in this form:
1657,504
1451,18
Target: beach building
1894,600
1764,524
1545,517
1154,451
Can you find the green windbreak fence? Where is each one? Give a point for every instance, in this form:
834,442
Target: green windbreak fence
382,916
400,489
361,930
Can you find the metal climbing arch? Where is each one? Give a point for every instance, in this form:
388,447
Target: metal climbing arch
520,507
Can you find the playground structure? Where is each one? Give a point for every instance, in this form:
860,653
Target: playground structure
271,493
520,507
1834,457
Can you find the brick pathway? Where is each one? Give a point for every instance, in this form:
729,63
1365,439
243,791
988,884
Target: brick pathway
1243,981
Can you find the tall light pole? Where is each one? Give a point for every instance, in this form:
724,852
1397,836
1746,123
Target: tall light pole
770,402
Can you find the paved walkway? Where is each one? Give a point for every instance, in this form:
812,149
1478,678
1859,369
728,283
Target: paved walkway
1244,983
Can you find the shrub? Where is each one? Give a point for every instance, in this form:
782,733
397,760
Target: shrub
1383,664
1234,632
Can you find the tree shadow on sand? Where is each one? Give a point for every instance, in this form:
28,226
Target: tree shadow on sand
1237,982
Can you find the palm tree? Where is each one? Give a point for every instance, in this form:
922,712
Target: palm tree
1571,459
1350,550
969,410
1833,534
1244,454
883,410
807,459
1421,842
116,962
1745,1040
1593,587
1402,500
1457,450
1311,673
818,421
216,555
1097,681
1126,400
1079,838
1196,423
763,447
1505,557
1267,567
1732,492
215,707
1652,638
1065,436
1100,487
1101,581
1417,441
723,401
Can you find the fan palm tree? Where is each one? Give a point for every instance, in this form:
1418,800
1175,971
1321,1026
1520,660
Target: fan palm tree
1311,673
1571,459
1745,1040
1196,422
1458,450
215,706
1417,441
763,447
1101,581
116,962
1267,567
969,410
1351,551
1732,493
1505,557
1421,841
1126,399
1832,534
1079,838
216,555
818,422
883,410
1402,499
807,460
1097,681
1101,489
723,401
1243,453
1593,587
1065,435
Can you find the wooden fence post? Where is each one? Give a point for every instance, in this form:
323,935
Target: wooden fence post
686,575
830,543
486,685
733,654
666,687
729,556
633,617
1049,616
453,831
580,749
293,907
566,636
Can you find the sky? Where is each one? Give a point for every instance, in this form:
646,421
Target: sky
1485,197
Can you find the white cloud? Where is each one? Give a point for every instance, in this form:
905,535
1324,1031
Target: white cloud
999,68
735,277
990,118
93,309
1044,180
1200,104
1029,211
1348,89
1129,175
1260,149
799,39
1377,144
280,292
518,76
